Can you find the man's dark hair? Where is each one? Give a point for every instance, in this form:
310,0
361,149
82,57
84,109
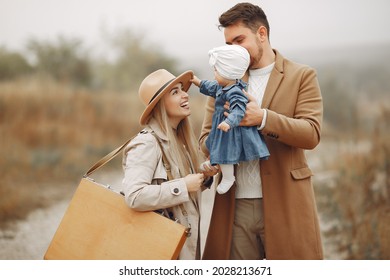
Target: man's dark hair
250,15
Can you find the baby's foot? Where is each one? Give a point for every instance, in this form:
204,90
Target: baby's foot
224,186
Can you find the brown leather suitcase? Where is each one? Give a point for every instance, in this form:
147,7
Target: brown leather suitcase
98,225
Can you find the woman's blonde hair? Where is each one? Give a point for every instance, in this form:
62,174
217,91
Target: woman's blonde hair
182,140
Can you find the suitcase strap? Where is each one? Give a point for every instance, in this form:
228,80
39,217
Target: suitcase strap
107,158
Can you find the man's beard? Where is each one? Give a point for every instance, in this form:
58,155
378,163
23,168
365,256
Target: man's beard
256,59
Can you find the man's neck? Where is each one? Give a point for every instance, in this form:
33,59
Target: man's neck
267,58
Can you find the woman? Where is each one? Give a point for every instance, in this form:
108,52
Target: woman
146,182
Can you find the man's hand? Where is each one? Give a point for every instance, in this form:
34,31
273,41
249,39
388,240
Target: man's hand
253,114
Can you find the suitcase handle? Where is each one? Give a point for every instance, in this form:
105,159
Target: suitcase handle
107,158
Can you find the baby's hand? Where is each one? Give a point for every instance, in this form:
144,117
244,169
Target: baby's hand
209,170
224,126
195,80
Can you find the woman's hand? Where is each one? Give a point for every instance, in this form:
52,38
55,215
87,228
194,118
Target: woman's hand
194,181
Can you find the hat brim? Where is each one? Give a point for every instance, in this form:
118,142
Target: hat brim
183,78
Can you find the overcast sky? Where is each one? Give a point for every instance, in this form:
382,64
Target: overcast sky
188,28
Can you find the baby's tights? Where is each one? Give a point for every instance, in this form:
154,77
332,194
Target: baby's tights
227,178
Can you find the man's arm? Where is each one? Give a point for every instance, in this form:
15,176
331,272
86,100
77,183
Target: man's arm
303,128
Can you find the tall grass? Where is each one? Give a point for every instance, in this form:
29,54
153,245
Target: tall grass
357,203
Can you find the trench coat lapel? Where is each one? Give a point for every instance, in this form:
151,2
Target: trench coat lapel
274,81
157,129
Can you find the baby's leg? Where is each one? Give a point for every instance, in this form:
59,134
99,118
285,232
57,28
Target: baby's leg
227,178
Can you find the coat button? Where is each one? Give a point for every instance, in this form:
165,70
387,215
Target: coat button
176,190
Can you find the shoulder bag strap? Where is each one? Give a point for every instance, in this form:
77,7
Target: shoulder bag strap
107,158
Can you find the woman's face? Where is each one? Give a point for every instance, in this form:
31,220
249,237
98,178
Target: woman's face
177,105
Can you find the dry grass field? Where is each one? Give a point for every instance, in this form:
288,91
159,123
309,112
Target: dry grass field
50,134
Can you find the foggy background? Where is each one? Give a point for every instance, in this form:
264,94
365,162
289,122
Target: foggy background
188,29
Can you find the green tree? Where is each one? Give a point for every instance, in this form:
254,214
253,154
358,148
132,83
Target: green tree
12,64
133,59
340,106
65,60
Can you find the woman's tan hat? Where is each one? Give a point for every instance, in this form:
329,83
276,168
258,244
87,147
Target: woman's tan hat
155,85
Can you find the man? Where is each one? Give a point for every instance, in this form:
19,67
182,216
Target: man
271,212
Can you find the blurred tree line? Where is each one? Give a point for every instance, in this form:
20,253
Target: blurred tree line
69,61
351,93
354,96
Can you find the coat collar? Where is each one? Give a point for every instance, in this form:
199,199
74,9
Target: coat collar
239,83
154,126
274,81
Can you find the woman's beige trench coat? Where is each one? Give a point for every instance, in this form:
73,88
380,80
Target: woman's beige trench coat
293,124
145,189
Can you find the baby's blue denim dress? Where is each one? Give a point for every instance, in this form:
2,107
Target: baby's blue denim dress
240,143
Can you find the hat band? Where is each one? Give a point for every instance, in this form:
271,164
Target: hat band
161,88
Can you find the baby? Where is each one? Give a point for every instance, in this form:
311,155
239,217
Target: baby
229,143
